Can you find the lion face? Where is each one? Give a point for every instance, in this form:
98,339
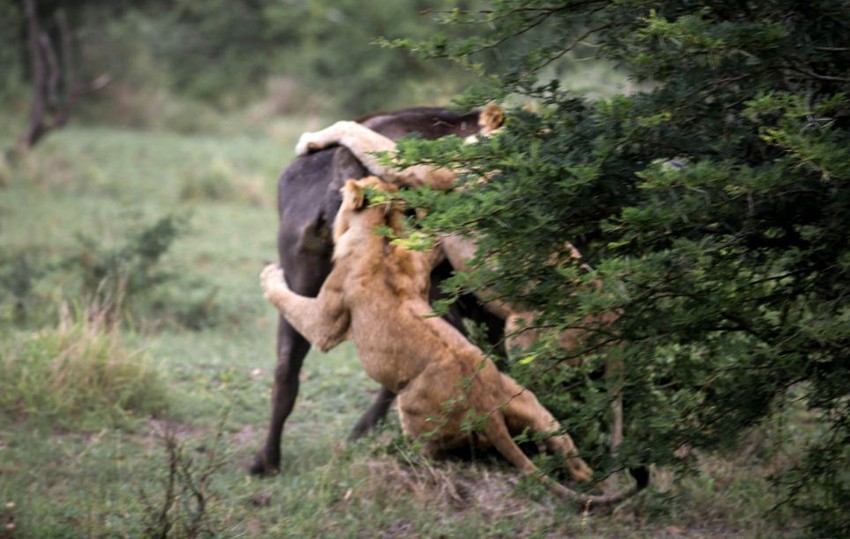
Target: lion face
355,199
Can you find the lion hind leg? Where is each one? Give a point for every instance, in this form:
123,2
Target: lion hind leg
523,411
498,435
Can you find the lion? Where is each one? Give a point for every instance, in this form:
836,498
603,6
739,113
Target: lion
365,143
449,392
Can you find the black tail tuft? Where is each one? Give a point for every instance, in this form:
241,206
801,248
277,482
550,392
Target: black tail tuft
641,476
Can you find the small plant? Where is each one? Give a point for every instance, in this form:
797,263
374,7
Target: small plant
110,276
18,274
182,508
128,279
79,374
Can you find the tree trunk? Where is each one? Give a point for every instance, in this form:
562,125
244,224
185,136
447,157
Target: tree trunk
49,72
36,128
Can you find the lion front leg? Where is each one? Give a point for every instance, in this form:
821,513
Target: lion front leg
356,137
322,320
364,144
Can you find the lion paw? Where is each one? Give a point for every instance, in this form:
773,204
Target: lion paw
579,470
271,278
307,143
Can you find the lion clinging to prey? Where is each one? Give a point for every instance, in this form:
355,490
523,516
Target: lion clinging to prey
376,295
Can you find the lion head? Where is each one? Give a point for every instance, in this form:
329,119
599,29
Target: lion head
367,194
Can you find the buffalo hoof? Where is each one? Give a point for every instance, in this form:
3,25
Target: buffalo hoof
261,467
641,476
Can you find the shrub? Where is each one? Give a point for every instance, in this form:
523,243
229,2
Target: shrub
127,280
18,274
712,204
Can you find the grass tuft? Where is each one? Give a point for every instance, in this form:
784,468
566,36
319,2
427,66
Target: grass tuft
78,375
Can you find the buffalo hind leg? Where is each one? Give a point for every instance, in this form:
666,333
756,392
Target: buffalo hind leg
374,415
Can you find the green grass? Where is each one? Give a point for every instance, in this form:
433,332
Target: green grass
97,473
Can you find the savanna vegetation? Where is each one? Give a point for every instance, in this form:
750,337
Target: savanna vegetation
694,151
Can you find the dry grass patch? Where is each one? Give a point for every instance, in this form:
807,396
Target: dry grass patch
445,485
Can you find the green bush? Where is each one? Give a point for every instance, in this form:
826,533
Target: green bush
18,273
711,205
127,281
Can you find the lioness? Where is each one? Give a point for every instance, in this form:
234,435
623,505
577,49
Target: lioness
364,143
376,294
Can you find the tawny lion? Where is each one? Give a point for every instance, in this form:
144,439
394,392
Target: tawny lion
377,296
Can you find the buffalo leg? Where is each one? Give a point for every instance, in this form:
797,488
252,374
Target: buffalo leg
292,348
374,415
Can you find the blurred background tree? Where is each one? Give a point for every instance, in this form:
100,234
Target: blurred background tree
140,64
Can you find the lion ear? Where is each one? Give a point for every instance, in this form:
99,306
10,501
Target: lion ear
358,194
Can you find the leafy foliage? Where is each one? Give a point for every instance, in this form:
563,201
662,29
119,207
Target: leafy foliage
128,268
712,206
126,282
18,274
